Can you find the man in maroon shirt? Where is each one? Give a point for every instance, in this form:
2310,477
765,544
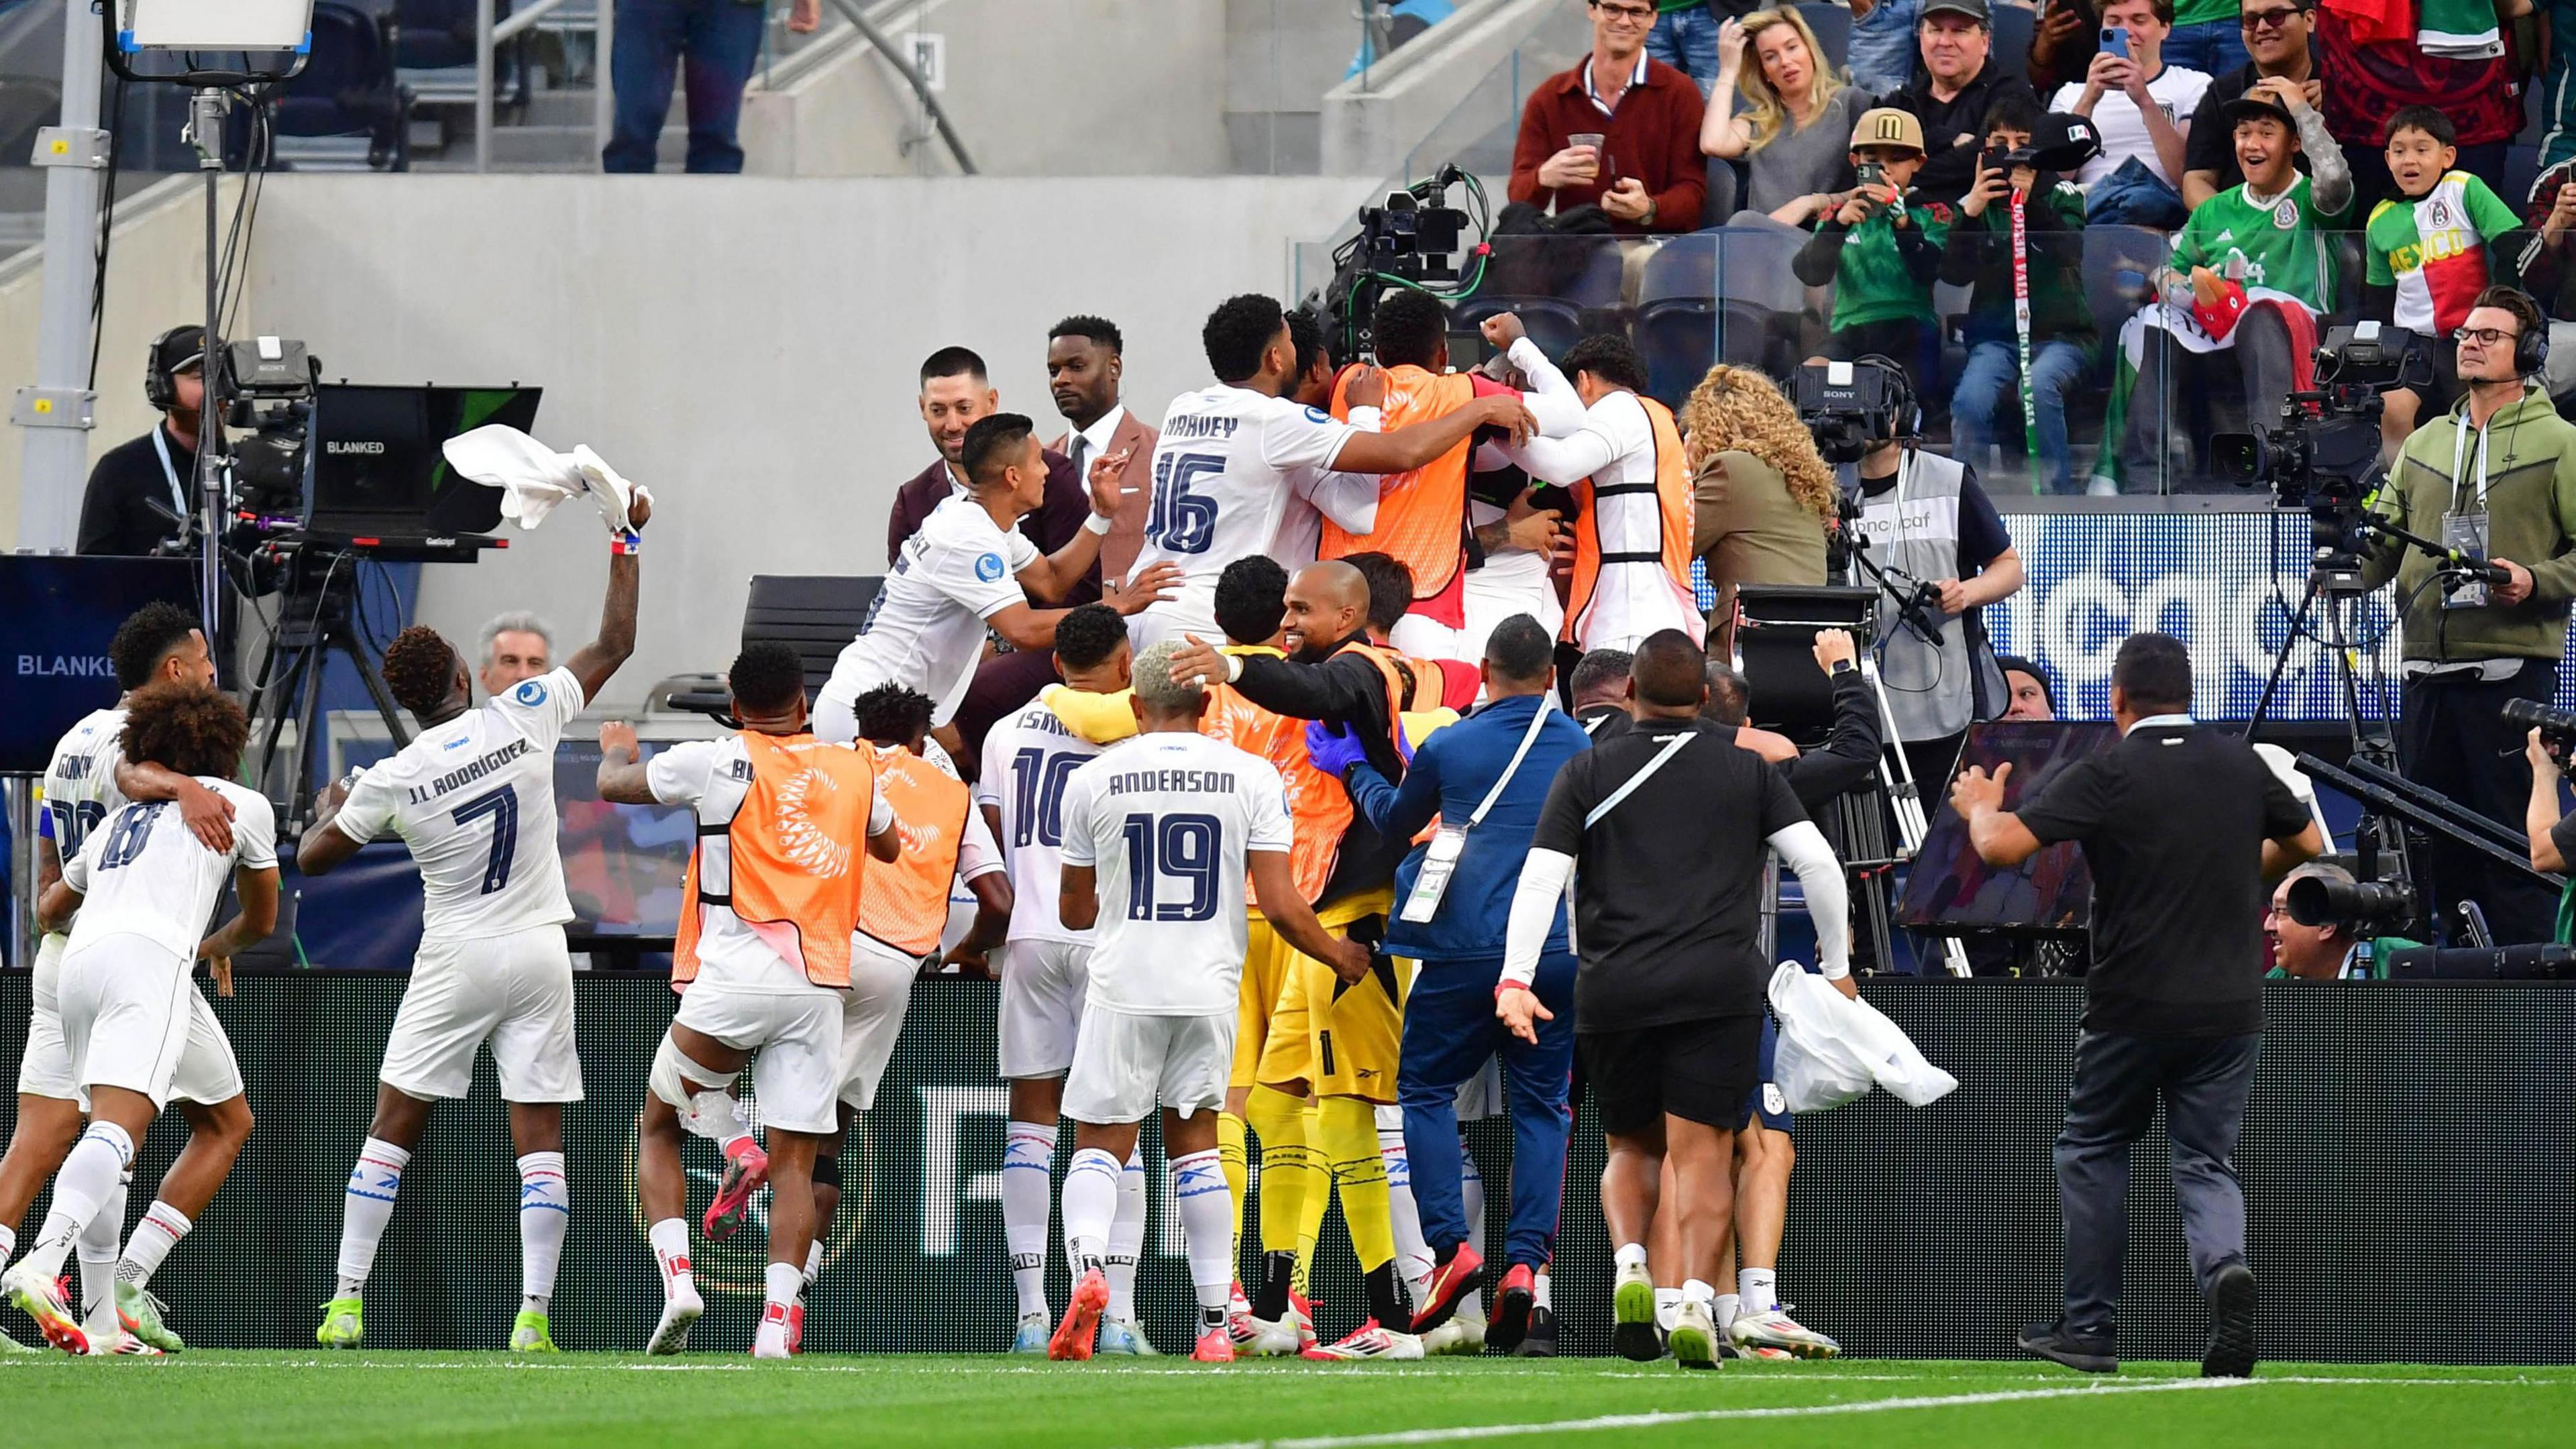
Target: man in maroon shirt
1647,173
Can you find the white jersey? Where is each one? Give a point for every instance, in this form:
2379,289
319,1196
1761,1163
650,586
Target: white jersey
1028,758
925,629
714,777
80,783
1166,821
474,798
1226,466
141,873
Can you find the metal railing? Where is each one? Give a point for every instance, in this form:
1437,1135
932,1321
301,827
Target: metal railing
487,40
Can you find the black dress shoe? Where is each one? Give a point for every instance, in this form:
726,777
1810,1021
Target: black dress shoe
2232,1301
2053,1342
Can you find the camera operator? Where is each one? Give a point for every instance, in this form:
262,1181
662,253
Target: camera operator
1933,542
143,491
2495,478
2332,950
2553,836
1849,755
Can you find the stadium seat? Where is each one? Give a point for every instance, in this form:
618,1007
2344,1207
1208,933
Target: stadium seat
1723,293
1832,24
1580,278
1725,186
348,87
2117,260
2013,27
815,615
437,34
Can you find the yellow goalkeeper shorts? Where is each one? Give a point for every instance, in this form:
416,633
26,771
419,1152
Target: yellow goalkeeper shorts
1343,1039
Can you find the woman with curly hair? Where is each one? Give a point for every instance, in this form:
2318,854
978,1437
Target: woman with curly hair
1793,130
1764,497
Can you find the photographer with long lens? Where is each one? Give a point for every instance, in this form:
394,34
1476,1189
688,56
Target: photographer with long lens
1924,532
2494,478
2553,834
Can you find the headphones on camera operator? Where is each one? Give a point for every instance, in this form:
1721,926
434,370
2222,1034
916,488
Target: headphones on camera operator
1915,598
160,371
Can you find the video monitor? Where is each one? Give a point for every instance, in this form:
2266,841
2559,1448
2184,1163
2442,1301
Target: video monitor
62,612
1952,892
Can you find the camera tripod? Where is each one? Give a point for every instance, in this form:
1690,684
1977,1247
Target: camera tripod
314,621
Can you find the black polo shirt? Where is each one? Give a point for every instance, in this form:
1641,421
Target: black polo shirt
117,510
1954,131
2172,821
1668,886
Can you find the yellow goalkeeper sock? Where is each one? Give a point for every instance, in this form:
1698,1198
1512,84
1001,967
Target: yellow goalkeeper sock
1348,1133
1230,1160
1294,1190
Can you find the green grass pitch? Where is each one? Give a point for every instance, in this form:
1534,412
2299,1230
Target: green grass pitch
727,1402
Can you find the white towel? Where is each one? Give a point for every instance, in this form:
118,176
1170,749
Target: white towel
533,478
1833,1049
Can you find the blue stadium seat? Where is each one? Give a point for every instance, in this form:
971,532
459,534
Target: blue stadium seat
1725,293
1832,24
436,34
2013,28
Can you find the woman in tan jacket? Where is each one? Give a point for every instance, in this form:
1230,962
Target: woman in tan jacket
1764,496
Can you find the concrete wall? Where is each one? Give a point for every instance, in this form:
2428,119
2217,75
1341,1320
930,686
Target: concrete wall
746,346
1446,96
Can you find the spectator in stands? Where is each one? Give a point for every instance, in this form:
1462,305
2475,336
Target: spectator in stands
2028,691
2063,44
1957,84
1882,54
2441,63
2542,260
2279,34
1763,498
2132,100
719,41
2316,953
2207,36
1686,34
1392,26
2250,274
1987,403
2553,31
1797,118
1640,160
1881,249
2425,254
1085,363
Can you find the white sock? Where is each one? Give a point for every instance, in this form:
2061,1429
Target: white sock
1413,1260
1700,1293
1629,1255
1758,1289
1471,1193
1127,1237
1207,1227
1090,1204
813,1262
373,1182
151,1241
97,1252
1028,1157
1668,1301
1728,1305
88,1177
1539,1291
8,1244
545,1212
785,1280
670,1240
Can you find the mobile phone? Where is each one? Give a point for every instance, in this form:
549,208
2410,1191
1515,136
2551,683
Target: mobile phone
2115,39
1871,173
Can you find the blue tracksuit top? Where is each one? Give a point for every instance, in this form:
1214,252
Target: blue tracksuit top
1449,777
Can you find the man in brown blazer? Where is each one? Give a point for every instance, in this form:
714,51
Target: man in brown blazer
1085,364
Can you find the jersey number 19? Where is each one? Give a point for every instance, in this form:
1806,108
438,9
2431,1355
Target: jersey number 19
1188,849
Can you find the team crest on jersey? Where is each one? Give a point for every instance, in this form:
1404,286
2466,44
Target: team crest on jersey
989,567
2285,215
529,693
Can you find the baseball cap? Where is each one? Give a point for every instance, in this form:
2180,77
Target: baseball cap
1887,126
2063,142
2248,107
1974,9
182,349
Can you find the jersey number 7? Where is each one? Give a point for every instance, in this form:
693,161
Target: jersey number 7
503,806
1180,520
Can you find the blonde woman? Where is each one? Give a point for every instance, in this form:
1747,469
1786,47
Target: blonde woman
1764,497
1797,119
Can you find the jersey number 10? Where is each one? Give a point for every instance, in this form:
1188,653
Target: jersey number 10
1183,848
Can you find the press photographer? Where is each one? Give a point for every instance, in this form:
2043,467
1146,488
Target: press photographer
143,490
2495,478
2553,835
1927,535
2324,925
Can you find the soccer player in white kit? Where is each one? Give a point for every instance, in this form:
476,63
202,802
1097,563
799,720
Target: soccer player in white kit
159,644
1232,458
1028,759
969,567
757,987
138,1032
1158,834
473,796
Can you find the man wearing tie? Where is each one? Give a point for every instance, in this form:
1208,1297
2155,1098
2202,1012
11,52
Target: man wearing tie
1084,368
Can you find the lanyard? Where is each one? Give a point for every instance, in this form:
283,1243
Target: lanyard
1529,737
179,495
2460,458
1672,748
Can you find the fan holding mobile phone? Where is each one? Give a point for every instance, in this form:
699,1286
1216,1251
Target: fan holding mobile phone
2142,108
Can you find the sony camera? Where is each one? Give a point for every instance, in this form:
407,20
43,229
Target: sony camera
2324,455
2362,908
268,385
1416,234
1850,405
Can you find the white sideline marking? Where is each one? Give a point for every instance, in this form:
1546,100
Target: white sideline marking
1704,1416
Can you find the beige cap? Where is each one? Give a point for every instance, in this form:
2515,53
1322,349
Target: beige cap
1887,126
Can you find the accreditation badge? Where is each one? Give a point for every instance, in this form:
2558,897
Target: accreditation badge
2466,532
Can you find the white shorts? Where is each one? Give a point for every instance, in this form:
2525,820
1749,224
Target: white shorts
796,1077
46,1068
133,1019
1043,985
872,1013
834,720
1123,1065
513,991
1504,588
